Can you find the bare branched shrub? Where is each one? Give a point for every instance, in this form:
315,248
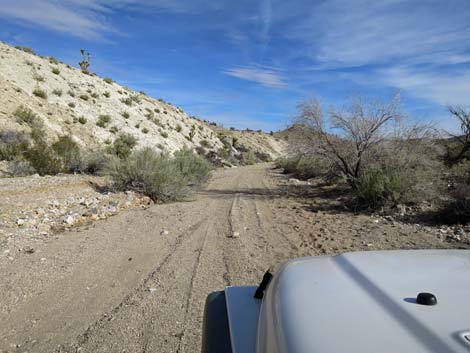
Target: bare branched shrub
455,154
373,146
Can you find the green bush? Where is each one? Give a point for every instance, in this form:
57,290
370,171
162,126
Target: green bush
103,120
114,130
178,128
69,153
194,168
57,92
107,94
38,92
82,120
38,77
205,143
53,60
108,80
71,93
158,176
127,101
84,97
164,134
12,145
125,115
71,105
145,130
55,71
41,156
123,145
26,49
25,115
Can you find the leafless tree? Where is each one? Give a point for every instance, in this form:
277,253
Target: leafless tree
350,135
463,138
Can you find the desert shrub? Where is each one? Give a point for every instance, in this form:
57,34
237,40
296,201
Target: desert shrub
103,120
150,173
84,97
94,95
263,157
125,115
304,166
69,153
38,77
145,130
25,115
194,168
123,145
249,157
57,92
53,60
71,93
82,120
205,143
108,80
164,134
179,128
38,92
107,94
127,101
157,110
114,130
12,145
41,156
55,71
20,167
26,49
157,175
95,163
71,104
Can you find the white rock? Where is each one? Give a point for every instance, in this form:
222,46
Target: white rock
164,232
20,221
69,220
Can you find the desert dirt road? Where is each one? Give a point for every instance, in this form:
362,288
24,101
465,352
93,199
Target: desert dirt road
137,281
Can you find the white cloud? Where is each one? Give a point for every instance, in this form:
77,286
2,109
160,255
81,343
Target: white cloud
266,76
439,87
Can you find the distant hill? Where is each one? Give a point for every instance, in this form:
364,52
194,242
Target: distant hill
95,110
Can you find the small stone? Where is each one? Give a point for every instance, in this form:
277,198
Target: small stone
235,234
69,220
164,232
152,289
20,222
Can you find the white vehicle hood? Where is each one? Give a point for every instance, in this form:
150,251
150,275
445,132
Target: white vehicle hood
366,302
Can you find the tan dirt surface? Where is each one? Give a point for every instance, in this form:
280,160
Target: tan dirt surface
137,282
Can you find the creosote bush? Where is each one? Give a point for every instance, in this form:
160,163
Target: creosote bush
108,80
103,120
57,92
123,145
125,115
25,115
55,71
38,92
159,176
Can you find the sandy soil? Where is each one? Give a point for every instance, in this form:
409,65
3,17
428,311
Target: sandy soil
137,282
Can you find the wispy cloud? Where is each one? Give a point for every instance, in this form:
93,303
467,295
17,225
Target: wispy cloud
78,18
265,76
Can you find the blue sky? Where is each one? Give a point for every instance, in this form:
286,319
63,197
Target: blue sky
248,63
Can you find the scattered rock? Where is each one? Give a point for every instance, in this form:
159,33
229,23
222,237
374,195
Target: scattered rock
20,222
164,232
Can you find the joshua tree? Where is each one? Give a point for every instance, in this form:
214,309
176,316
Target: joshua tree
85,63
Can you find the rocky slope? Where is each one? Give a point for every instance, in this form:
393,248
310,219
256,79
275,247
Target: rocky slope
95,110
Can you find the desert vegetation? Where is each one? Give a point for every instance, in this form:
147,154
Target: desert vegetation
382,157
159,176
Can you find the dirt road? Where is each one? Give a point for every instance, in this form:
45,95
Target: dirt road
137,282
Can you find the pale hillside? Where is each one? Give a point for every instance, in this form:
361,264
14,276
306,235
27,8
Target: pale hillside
76,103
